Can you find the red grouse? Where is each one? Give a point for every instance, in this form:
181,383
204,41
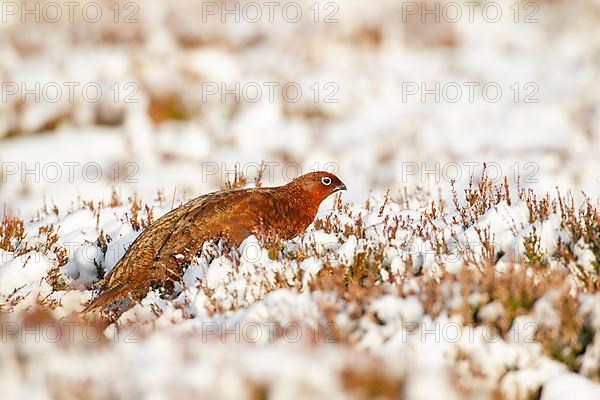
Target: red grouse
158,257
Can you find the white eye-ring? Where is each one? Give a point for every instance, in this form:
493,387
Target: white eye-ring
326,181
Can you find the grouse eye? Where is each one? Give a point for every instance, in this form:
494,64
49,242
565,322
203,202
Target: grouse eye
326,181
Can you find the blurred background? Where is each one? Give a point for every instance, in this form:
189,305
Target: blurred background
143,96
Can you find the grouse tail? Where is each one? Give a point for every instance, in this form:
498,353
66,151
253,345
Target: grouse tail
108,297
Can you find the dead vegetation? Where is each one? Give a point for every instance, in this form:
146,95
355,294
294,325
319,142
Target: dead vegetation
12,232
424,247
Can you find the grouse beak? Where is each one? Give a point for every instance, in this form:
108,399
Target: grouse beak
341,186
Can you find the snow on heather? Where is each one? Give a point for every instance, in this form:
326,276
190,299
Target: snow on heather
277,307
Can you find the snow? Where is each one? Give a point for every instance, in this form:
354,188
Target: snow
390,309
491,312
570,385
25,274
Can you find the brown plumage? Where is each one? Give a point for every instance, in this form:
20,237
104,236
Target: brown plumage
158,257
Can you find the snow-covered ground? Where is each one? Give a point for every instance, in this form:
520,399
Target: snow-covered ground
378,299
408,294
